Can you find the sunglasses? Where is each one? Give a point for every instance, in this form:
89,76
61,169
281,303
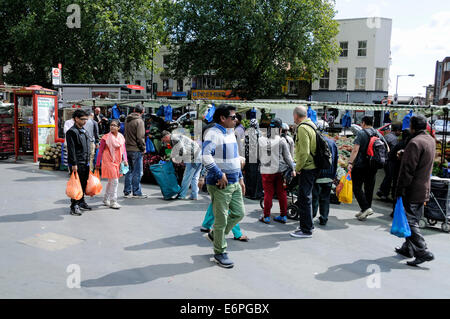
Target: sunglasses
233,117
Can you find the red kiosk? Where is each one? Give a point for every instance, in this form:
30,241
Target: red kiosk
35,120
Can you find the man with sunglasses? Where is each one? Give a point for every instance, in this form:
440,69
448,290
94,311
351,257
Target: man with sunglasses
224,179
78,147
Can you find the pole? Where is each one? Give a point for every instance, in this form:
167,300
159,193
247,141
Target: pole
152,75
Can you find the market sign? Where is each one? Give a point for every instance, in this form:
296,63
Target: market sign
179,94
213,95
135,87
161,93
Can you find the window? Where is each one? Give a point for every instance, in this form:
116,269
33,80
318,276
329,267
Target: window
362,48
360,79
293,87
149,87
379,79
137,82
165,85
324,82
344,47
342,79
166,61
180,85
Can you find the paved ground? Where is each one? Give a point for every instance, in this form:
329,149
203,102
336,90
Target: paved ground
154,249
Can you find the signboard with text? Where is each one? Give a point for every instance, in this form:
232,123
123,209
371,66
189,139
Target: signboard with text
214,95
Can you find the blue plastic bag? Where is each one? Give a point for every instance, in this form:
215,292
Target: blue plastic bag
400,226
123,169
167,180
149,146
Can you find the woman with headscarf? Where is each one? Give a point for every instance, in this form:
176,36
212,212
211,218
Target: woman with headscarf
111,154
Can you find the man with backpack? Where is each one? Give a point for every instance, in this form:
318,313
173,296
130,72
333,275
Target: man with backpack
368,155
307,167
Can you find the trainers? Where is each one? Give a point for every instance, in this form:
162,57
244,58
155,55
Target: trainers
265,220
106,202
115,205
223,261
85,206
76,211
300,234
142,196
281,219
128,195
358,214
366,214
210,237
205,230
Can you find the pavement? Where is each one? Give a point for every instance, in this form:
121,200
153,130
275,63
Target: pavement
153,248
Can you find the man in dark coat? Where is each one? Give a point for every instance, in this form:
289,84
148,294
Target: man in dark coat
414,186
78,149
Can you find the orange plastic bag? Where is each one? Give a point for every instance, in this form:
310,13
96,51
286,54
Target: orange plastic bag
73,189
93,186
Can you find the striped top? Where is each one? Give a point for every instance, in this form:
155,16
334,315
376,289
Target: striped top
220,155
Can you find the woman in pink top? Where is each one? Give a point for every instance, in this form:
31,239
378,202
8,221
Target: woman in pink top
111,153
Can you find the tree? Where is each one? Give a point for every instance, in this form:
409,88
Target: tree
254,45
115,36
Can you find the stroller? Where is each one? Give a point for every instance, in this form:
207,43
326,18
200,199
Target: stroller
291,189
438,208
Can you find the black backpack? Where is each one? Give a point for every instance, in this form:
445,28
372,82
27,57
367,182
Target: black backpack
323,158
376,151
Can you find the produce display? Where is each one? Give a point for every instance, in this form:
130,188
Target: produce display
345,146
52,152
437,168
6,131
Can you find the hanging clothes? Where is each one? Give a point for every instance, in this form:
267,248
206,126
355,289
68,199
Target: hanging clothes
387,118
209,115
347,119
253,114
160,111
312,115
115,112
407,120
168,113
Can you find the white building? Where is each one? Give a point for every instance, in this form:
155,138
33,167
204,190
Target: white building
361,74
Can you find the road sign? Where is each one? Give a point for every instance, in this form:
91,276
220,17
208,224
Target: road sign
59,66
56,76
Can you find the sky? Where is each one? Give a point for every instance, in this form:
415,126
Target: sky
420,37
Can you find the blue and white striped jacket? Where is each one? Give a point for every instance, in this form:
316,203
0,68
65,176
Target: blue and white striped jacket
220,155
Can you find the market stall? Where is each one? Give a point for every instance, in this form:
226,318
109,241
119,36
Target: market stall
6,130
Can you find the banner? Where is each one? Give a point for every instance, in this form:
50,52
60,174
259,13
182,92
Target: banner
213,95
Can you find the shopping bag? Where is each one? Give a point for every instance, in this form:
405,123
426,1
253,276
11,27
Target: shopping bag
400,225
93,186
166,178
346,190
73,188
123,168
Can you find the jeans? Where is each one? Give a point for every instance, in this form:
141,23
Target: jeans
83,174
190,177
321,200
228,208
209,221
306,182
133,177
414,244
364,176
274,183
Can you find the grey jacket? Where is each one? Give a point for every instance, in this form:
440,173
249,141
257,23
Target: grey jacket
274,155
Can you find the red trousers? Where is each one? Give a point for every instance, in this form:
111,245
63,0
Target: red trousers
274,183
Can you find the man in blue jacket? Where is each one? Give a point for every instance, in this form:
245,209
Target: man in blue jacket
322,187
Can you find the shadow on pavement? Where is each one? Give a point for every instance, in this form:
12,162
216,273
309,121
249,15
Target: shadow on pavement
360,269
136,276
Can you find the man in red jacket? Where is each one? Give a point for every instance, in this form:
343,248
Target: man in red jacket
414,187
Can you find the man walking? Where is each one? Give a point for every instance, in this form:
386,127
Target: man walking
322,187
362,172
392,140
414,187
224,179
305,150
92,129
78,144
135,145
185,150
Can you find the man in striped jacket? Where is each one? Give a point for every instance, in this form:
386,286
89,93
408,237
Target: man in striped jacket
224,179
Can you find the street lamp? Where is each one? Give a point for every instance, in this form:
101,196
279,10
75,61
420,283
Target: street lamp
396,87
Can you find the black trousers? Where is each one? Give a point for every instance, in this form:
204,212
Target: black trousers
83,173
386,186
364,177
306,182
415,244
321,200
253,181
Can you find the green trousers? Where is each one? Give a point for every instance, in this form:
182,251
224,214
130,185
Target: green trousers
224,200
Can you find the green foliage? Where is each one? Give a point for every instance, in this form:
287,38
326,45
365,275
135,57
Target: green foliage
116,36
254,45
